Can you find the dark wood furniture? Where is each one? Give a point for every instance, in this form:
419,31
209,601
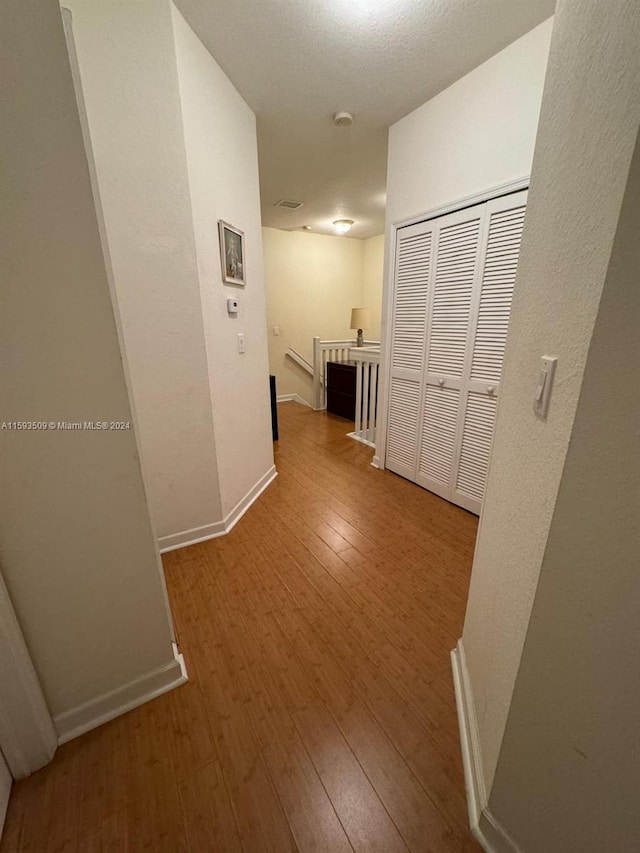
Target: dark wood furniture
274,407
341,388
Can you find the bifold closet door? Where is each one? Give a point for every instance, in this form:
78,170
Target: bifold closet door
414,262
453,287
488,336
457,260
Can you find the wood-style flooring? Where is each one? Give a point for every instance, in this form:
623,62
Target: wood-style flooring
320,713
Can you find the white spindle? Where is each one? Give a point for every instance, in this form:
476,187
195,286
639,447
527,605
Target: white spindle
358,424
317,367
325,359
373,395
375,416
365,399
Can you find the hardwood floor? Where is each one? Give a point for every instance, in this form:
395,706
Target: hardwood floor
320,714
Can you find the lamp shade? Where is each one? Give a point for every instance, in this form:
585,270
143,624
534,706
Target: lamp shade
360,318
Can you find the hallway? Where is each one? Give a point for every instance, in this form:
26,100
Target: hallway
320,714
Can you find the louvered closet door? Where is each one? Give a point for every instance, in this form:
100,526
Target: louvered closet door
485,353
414,261
456,275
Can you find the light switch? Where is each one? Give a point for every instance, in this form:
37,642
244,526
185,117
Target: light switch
241,343
544,385
276,330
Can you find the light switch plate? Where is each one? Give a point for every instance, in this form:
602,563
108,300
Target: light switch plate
241,343
544,385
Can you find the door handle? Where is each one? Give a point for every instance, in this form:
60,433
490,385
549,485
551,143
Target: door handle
440,381
491,389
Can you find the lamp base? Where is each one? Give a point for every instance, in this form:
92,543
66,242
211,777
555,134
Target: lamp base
360,339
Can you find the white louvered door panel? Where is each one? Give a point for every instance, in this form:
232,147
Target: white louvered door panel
473,463
437,446
412,282
414,260
504,235
402,429
455,276
481,386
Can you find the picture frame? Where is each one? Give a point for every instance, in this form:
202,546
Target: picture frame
232,254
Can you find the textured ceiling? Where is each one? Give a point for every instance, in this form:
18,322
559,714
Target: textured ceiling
297,62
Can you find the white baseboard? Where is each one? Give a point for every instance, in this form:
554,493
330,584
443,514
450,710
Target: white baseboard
296,398
375,462
487,830
191,537
90,715
218,528
252,495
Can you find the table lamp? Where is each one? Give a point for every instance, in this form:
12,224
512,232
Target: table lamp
360,319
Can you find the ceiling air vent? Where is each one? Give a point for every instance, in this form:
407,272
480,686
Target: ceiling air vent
288,204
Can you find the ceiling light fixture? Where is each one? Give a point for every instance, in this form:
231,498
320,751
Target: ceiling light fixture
342,225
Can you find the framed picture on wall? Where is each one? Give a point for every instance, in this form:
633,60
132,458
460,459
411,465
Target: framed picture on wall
232,253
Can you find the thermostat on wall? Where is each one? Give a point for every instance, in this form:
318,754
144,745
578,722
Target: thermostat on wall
232,305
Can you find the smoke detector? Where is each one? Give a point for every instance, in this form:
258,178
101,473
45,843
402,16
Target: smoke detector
343,119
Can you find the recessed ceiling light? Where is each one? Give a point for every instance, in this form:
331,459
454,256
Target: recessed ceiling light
342,225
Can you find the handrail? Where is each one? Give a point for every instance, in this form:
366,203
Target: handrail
365,353
294,355
331,344
349,342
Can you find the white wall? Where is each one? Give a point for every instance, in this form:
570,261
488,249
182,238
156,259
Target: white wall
78,552
372,281
567,776
473,136
578,179
313,281
222,158
129,77
175,150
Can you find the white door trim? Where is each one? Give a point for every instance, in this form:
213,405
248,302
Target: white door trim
5,791
384,376
28,738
